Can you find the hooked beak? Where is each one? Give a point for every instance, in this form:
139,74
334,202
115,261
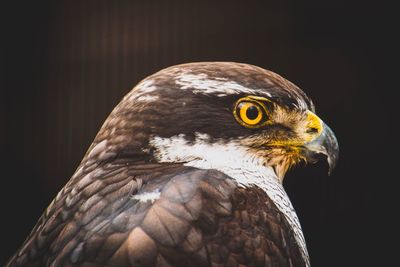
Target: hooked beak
325,144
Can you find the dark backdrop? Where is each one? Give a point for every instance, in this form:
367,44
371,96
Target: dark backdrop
66,64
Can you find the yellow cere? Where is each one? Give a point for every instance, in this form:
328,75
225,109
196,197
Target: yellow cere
314,122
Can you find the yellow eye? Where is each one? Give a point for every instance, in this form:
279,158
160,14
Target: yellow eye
250,113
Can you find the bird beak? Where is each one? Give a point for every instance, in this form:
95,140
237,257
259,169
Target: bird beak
325,144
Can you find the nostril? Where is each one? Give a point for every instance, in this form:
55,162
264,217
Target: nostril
312,130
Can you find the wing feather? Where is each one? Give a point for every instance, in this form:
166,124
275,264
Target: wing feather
199,218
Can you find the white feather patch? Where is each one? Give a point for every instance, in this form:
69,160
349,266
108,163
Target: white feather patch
201,83
147,98
143,92
145,86
147,196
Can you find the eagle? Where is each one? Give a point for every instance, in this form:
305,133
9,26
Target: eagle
188,170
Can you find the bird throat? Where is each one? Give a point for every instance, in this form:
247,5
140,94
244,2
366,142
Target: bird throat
234,160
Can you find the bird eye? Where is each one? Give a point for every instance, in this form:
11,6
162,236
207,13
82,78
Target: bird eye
250,113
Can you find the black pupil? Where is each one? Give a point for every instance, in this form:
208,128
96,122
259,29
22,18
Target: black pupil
252,112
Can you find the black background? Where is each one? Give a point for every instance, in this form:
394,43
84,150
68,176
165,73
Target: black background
66,64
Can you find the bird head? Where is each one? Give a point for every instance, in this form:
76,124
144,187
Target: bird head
219,113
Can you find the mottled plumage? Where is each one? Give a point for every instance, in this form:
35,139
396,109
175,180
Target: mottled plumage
176,178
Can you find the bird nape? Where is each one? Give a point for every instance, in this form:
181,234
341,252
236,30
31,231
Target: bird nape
187,170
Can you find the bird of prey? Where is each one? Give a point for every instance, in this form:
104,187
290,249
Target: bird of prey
187,170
